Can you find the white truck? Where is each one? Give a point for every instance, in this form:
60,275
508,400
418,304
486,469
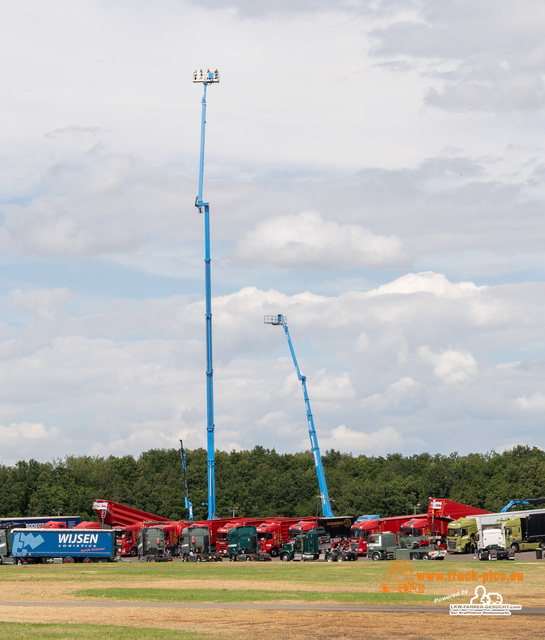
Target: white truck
491,543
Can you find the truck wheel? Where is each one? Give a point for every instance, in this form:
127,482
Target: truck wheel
376,556
133,552
285,557
248,559
233,557
198,559
273,552
340,558
329,557
425,556
514,547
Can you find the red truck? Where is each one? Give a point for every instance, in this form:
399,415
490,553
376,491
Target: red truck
434,522
275,531
222,534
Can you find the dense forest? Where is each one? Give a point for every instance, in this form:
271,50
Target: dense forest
262,482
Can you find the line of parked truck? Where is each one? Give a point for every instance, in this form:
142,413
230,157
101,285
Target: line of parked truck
498,535
124,531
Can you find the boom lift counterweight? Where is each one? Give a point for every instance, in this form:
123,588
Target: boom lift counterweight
324,496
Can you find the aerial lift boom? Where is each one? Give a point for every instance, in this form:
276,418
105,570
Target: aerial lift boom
188,505
210,77
326,500
526,501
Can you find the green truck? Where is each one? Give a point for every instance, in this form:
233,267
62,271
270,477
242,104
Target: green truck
195,545
5,547
242,545
315,545
461,535
386,546
524,533
151,545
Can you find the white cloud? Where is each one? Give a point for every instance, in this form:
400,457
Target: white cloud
386,439
26,440
107,205
477,55
451,366
429,282
403,394
309,240
534,403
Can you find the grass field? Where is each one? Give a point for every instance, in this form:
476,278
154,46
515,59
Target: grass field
85,601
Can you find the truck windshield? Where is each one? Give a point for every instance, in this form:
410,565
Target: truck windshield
455,532
264,536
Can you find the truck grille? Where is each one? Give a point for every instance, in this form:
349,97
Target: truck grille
451,544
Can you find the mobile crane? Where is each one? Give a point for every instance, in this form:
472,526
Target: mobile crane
324,496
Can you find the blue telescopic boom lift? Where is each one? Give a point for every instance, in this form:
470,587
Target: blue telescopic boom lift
210,77
188,505
326,500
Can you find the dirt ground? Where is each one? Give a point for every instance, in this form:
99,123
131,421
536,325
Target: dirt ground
41,602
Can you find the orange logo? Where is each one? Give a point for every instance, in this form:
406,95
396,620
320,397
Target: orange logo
399,577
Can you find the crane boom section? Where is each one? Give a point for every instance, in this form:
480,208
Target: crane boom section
326,501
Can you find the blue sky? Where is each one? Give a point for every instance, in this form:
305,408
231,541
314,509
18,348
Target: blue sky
375,172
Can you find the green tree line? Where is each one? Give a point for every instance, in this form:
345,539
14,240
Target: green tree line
262,482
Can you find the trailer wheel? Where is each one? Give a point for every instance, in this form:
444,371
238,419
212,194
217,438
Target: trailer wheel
68,560
376,556
285,557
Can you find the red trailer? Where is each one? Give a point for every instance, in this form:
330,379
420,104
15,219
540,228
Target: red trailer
113,513
127,522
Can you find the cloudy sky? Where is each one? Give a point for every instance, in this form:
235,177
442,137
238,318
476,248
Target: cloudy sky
376,173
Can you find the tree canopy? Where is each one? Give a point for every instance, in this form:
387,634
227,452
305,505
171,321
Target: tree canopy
262,482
